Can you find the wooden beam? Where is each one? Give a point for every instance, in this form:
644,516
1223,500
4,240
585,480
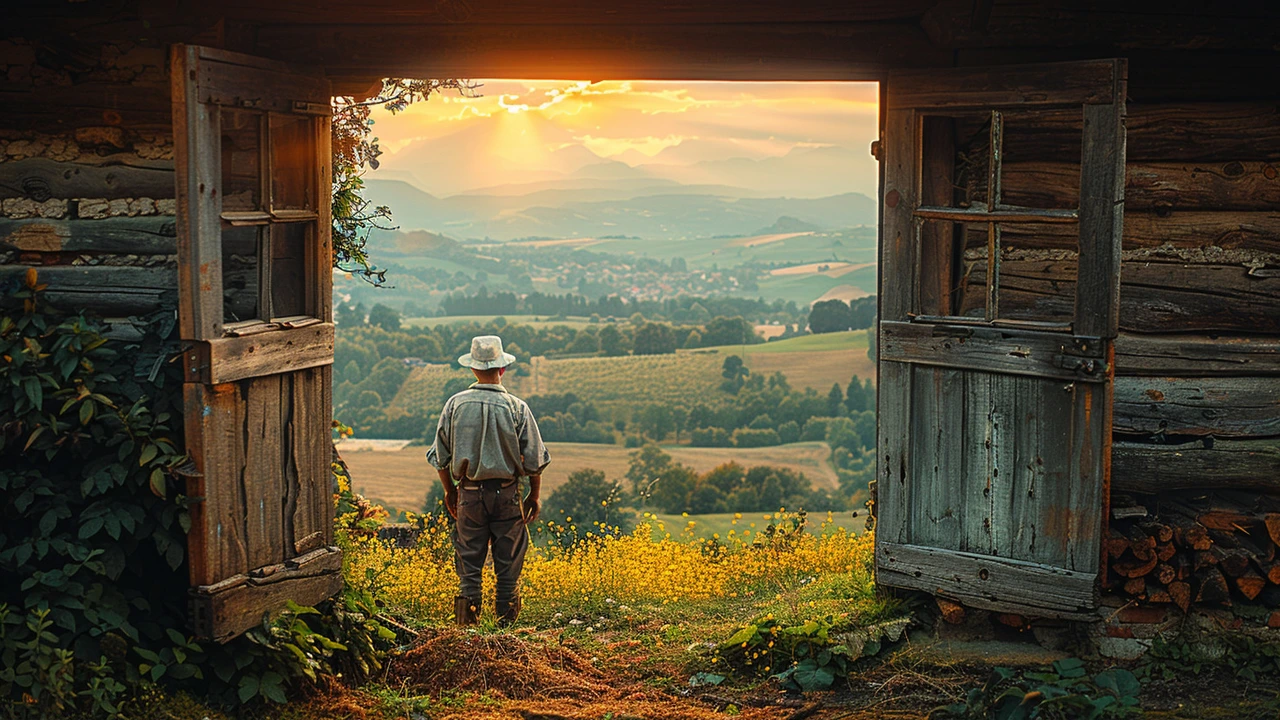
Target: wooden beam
1050,84
41,179
1220,464
1097,311
224,610
1224,407
149,235
1039,354
1245,25
1157,294
989,582
785,51
572,12
60,108
1161,188
1191,236
229,359
105,290
1197,355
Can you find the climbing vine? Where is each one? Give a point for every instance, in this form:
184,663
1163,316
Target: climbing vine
355,148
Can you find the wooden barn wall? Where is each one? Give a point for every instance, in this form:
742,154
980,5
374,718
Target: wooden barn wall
1197,394
86,177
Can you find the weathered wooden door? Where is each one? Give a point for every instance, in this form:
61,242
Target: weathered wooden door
995,372
253,166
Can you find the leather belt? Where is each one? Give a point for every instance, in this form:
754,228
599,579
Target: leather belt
489,483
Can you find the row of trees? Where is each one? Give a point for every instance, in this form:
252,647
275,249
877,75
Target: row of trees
836,315
684,308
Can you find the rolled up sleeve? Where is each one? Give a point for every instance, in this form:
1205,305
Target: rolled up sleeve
440,454
534,455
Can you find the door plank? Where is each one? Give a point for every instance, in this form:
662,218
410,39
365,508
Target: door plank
215,440
275,351
1102,162
976,439
988,582
228,608
197,160
937,516
893,487
263,472
992,350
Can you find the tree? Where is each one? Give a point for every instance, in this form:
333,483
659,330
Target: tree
611,341
656,421
654,339
835,398
587,497
829,316
860,396
647,465
734,372
729,331
384,317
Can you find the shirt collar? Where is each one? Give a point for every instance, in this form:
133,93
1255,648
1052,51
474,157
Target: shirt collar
493,387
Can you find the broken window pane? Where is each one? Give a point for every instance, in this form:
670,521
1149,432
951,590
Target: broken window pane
289,269
293,163
241,161
240,247
1041,158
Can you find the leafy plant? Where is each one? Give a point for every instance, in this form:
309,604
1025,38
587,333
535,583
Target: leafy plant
1064,691
1242,655
812,655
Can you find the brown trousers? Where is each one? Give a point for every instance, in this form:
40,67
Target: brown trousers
490,515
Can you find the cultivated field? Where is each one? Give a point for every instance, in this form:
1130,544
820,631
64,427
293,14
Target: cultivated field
814,361
684,378
401,478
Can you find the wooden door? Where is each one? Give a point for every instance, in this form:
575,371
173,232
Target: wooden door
253,166
995,375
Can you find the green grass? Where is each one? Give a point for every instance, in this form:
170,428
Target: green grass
852,340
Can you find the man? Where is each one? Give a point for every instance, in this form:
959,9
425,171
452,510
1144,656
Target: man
486,441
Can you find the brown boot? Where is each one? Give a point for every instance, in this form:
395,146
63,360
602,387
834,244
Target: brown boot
465,610
508,612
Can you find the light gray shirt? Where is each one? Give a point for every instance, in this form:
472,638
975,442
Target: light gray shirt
493,431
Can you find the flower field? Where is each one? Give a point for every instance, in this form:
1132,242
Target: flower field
649,572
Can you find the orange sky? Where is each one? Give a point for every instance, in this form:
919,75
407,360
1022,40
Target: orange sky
517,126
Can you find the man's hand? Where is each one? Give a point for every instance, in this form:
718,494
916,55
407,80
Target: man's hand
451,502
532,507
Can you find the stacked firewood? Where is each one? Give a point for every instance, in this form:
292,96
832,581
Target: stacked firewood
1209,550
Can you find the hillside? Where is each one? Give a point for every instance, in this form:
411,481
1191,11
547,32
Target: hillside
654,210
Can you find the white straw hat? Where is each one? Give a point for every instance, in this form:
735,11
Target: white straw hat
486,354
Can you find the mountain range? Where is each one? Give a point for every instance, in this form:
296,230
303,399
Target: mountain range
526,177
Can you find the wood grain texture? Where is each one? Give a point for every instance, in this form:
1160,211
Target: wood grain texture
1223,464
1049,84
217,542
1128,25
154,235
277,351
114,291
264,465
41,179
937,240
1102,162
709,51
1192,355
1245,407
1163,188
988,582
573,12
226,609
1040,354
1156,295
1160,132
198,165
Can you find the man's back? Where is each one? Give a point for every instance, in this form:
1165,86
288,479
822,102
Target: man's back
490,429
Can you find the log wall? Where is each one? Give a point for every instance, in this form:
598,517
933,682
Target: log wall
87,187
1198,386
